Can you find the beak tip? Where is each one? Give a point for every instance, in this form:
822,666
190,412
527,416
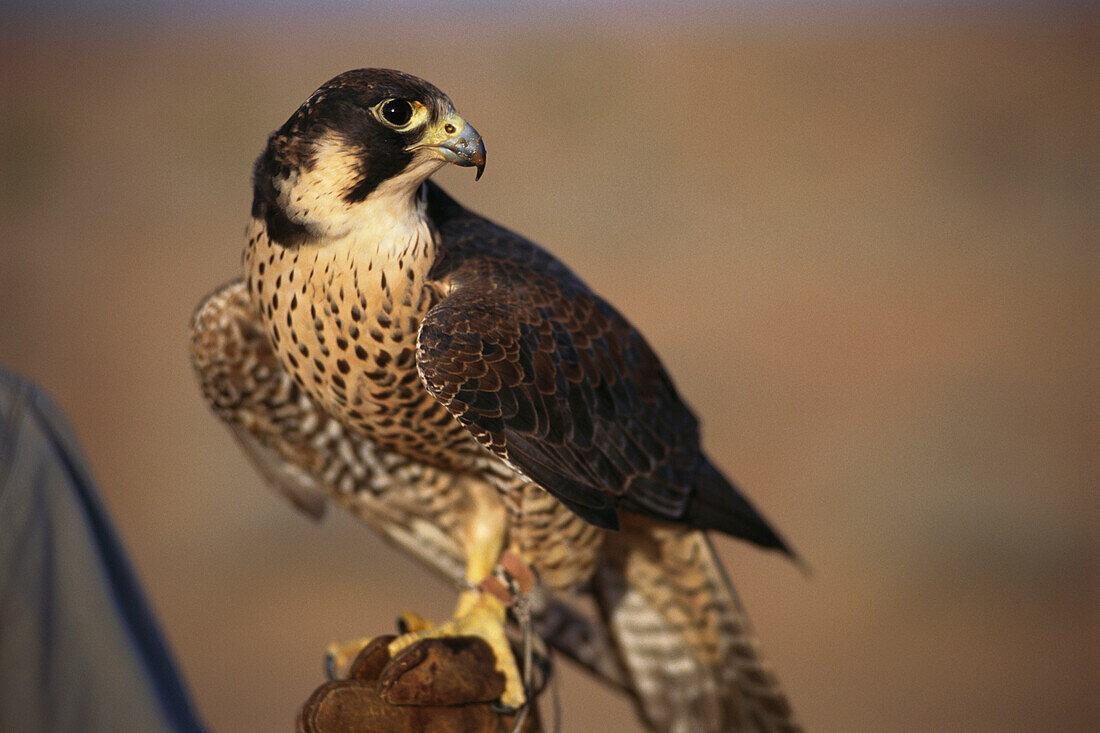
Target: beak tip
478,158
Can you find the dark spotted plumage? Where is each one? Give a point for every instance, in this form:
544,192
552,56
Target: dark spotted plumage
311,457
423,365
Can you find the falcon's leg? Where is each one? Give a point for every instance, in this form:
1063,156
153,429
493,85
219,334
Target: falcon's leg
480,613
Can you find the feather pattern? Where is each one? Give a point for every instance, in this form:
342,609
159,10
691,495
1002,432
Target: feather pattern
310,457
683,635
553,380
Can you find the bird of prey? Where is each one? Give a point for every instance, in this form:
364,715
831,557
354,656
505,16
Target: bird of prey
467,395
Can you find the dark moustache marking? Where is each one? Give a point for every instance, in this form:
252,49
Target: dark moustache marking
341,106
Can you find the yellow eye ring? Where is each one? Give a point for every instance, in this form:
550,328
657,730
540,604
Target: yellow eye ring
397,113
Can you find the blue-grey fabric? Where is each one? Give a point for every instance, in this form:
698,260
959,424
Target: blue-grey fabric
79,647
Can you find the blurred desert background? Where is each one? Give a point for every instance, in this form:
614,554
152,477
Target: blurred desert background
864,242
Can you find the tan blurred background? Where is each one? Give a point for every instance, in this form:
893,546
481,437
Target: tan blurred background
865,244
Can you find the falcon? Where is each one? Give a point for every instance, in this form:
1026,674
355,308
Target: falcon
464,393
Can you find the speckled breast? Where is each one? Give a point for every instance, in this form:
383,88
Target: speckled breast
345,326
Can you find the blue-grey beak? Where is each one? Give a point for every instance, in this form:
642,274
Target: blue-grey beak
456,141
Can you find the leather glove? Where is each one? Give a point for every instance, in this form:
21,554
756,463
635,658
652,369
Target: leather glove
436,685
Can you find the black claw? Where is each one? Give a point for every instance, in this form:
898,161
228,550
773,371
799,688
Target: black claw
330,666
544,664
402,626
502,709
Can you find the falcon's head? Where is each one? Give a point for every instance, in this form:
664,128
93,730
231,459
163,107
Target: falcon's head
369,136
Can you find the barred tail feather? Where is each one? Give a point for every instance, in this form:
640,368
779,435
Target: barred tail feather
682,635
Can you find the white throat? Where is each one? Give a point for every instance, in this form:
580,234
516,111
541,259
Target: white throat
390,223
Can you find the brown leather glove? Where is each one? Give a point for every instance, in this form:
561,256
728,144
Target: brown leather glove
437,685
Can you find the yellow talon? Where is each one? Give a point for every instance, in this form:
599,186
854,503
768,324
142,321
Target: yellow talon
482,615
338,655
409,622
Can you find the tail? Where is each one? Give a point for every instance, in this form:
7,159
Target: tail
682,635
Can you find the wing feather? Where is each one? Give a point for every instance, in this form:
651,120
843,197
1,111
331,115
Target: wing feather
557,383
528,358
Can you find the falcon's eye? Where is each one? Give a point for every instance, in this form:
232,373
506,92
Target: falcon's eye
395,112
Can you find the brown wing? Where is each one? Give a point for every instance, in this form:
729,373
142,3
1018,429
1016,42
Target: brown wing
553,380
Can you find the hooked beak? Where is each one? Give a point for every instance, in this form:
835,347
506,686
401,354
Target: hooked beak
456,141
